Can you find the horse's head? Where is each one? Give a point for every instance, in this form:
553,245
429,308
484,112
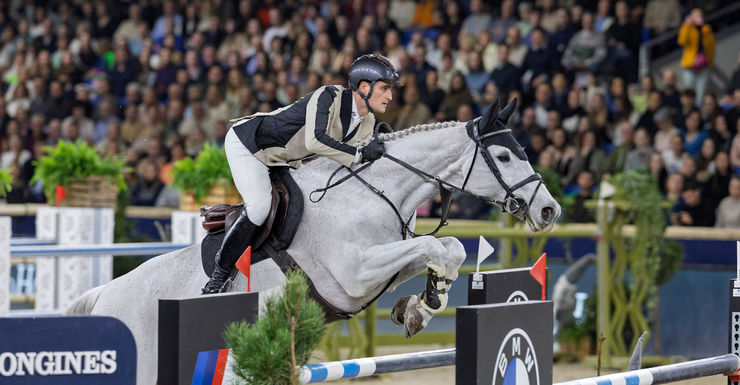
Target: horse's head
503,174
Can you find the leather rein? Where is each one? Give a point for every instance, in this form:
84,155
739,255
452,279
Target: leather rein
510,204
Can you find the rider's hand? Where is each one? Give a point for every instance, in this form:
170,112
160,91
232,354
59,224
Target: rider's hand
373,151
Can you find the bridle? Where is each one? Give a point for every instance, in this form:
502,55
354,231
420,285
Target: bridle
511,204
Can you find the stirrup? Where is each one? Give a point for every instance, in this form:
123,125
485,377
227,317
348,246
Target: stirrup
217,284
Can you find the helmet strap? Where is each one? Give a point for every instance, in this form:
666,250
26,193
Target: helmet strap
366,98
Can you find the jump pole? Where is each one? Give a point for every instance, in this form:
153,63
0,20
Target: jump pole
364,367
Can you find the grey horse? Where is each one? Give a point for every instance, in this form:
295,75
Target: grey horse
350,243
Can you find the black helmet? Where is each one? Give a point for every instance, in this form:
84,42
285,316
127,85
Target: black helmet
371,68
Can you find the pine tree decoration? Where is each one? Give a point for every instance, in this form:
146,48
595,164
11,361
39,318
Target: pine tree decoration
291,326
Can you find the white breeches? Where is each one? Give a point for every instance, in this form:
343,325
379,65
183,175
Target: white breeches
251,177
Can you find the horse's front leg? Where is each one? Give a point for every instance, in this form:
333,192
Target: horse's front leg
442,257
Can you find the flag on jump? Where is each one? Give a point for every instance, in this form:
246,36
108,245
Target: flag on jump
244,264
539,272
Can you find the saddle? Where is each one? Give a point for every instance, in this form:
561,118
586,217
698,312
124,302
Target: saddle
282,222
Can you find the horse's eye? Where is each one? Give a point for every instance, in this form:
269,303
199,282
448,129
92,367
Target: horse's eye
504,157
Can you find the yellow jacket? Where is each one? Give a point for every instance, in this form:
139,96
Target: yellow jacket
688,37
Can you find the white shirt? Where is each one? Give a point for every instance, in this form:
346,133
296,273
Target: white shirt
354,122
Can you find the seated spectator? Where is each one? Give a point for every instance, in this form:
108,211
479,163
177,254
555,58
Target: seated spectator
562,152
585,191
587,49
573,112
505,76
666,130
432,96
692,209
413,111
639,157
674,156
674,187
18,190
728,211
693,135
147,189
458,95
732,114
505,20
735,154
15,154
688,169
517,48
478,20
588,157
477,77
688,103
623,38
647,120
670,95
542,103
539,58
618,157
657,170
718,183
705,162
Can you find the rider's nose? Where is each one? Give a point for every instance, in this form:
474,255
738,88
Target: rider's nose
547,214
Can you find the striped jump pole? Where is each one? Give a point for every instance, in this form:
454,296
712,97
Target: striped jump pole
364,367
726,364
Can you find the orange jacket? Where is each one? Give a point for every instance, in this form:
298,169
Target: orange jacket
688,37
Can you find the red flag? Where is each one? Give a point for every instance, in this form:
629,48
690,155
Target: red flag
539,272
59,194
244,263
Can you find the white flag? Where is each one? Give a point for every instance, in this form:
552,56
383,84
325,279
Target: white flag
484,251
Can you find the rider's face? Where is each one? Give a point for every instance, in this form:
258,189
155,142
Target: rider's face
382,95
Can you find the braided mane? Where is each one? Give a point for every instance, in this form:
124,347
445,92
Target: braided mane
412,130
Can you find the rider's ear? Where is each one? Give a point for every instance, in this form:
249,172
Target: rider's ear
505,114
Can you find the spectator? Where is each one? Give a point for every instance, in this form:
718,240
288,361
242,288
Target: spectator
718,183
674,156
735,154
639,157
477,77
588,157
647,120
618,157
148,187
505,20
539,58
670,96
674,187
734,83
697,40
693,135
728,212
85,125
517,48
733,113
657,170
457,96
666,130
705,161
584,192
478,20
720,133
623,38
432,96
587,49
505,76
15,154
413,111
562,153
692,209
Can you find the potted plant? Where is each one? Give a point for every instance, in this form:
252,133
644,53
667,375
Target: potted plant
74,174
6,182
205,180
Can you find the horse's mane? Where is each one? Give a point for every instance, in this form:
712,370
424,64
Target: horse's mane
412,130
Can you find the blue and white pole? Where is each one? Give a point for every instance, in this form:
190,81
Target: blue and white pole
728,363
364,367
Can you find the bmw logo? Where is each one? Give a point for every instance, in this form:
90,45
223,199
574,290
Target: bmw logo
516,361
517,296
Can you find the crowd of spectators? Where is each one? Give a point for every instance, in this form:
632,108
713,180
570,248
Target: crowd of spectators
153,81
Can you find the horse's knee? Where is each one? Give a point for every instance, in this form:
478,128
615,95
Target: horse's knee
455,250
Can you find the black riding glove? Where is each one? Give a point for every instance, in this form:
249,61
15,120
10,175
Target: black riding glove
373,151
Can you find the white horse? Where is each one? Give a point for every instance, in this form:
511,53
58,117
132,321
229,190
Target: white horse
350,243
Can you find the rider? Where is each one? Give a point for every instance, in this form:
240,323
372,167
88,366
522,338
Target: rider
322,122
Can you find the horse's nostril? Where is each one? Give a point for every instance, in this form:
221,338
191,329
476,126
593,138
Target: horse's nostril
547,214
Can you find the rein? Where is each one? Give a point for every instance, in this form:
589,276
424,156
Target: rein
511,203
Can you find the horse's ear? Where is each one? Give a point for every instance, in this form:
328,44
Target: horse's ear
487,122
505,114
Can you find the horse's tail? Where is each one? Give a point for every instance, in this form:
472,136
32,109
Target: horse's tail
85,303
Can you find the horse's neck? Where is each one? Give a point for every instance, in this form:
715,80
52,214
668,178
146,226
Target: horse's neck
437,152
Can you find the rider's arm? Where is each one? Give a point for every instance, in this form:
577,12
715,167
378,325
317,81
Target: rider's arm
318,129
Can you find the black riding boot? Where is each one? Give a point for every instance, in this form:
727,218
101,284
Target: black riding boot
235,241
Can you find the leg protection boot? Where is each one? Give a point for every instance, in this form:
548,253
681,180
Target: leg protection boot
240,235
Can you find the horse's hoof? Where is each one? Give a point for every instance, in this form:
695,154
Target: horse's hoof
413,320
399,309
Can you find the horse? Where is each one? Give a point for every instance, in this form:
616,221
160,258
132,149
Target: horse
358,240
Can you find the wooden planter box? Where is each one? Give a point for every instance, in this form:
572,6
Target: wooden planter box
221,192
91,191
